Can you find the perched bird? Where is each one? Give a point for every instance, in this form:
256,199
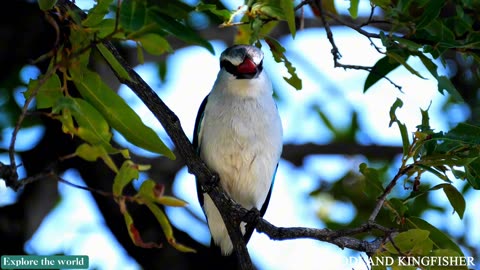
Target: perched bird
238,133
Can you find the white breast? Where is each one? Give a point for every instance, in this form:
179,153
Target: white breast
240,139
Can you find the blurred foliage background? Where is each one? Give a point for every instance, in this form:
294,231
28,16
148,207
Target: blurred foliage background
436,32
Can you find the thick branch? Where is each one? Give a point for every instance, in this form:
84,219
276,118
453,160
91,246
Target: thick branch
232,213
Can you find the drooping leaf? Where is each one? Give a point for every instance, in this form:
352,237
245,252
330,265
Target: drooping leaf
166,227
117,112
278,53
403,129
135,234
443,82
287,8
353,9
456,199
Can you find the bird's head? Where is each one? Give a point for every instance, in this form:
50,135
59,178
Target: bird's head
242,61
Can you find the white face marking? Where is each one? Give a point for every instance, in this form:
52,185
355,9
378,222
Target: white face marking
237,54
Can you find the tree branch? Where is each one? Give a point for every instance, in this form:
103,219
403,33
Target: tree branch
231,212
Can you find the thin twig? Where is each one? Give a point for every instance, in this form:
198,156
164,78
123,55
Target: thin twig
21,117
381,200
335,51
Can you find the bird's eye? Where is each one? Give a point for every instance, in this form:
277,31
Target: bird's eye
228,66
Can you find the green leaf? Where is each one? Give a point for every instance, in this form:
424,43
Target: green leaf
166,227
403,129
403,60
439,238
113,62
407,241
127,173
444,83
46,4
326,121
278,53
133,14
270,10
97,13
223,14
154,192
381,68
431,67
48,92
411,46
135,234
353,9
92,127
455,198
155,44
106,28
438,31
93,152
327,5
429,168
180,10
177,29
431,11
398,207
425,126
117,112
473,173
393,117
373,180
287,7
465,133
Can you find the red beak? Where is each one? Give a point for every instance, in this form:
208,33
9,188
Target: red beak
248,66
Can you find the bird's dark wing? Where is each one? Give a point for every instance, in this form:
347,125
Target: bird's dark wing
250,227
196,143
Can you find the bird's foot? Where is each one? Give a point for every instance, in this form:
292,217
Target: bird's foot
252,217
211,183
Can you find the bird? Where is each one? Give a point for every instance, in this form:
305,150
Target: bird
238,134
